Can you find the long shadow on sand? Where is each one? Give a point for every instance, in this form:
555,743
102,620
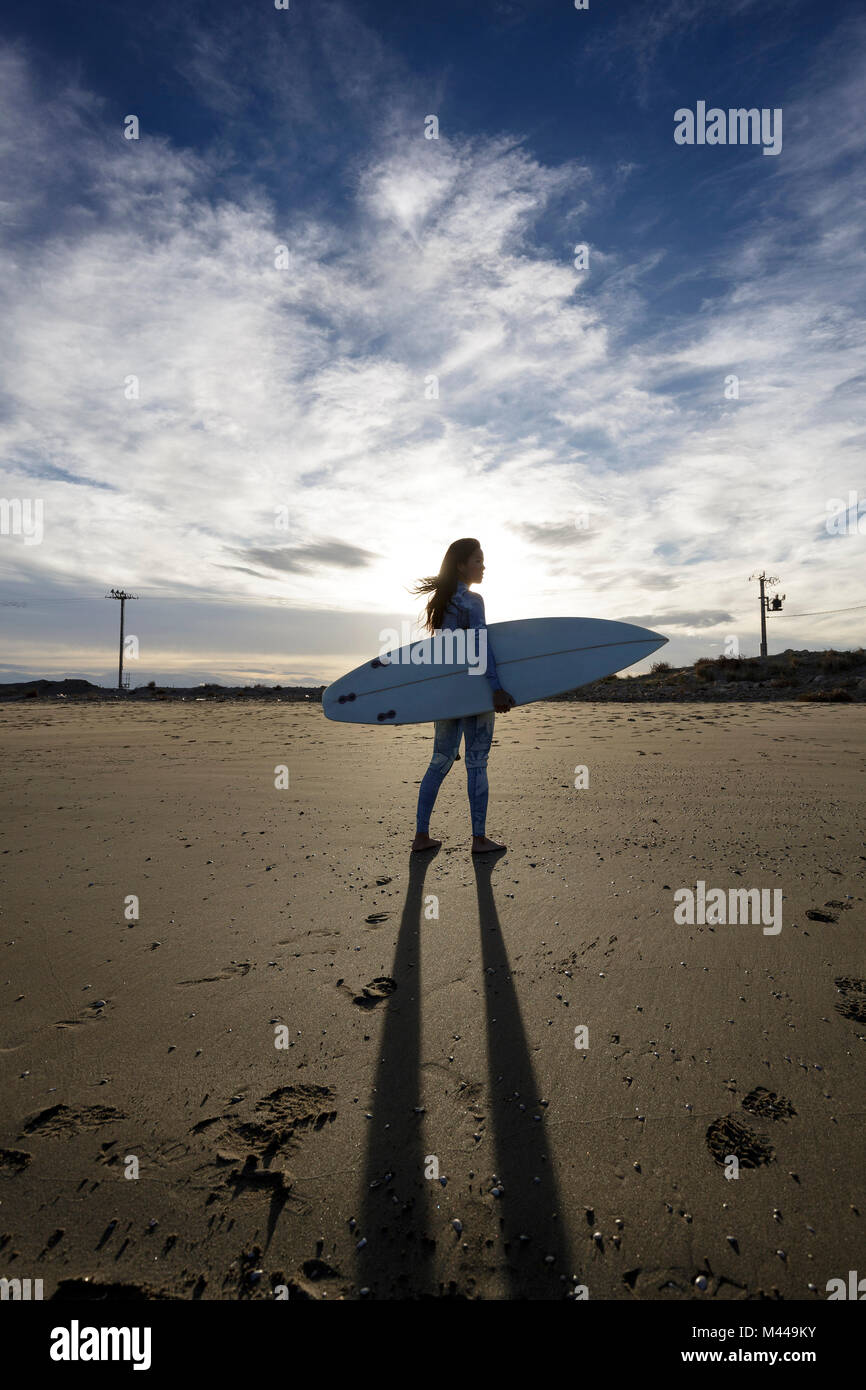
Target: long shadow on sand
531,1205
397,1259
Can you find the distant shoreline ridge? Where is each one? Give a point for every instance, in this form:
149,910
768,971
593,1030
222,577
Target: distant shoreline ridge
813,676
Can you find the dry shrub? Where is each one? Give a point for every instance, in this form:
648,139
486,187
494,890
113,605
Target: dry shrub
842,661
835,696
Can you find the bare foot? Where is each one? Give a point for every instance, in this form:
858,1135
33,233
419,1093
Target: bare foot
482,845
424,842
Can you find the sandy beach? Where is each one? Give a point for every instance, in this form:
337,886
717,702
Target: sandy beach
308,1061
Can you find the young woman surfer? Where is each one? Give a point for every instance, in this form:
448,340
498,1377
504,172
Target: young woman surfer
451,605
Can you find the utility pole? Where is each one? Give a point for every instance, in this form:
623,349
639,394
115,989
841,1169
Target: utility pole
773,605
123,596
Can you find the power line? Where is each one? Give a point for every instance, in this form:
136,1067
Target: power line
228,598
231,598
816,612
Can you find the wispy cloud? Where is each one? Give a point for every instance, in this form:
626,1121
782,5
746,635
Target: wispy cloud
639,35
715,618
301,559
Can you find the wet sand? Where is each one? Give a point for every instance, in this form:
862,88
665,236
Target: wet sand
425,1007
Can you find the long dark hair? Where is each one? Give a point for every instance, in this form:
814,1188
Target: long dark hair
441,586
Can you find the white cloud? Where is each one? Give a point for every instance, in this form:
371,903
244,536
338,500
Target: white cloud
305,387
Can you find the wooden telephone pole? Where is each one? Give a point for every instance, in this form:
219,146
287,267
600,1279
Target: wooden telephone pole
123,596
768,605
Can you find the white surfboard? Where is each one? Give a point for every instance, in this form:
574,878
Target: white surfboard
535,657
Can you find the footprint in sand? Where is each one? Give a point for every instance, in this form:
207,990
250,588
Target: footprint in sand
729,1135
820,914
853,1002
14,1159
64,1120
767,1105
374,993
235,967
274,1121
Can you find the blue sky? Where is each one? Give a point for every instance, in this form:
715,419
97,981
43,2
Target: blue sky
249,440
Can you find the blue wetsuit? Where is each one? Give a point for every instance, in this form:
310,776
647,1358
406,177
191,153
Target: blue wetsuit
464,610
